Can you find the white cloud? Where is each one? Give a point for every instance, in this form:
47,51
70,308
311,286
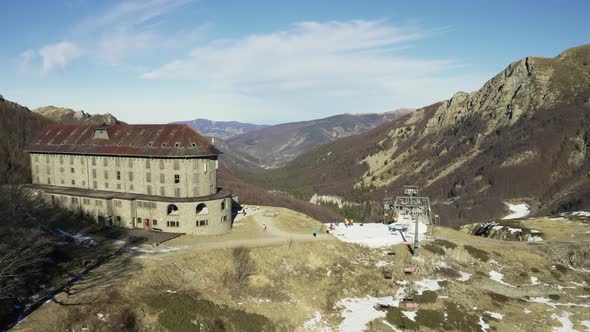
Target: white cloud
130,29
352,57
318,69
25,60
130,13
57,56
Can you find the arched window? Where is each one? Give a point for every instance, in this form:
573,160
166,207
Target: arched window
172,209
223,204
202,209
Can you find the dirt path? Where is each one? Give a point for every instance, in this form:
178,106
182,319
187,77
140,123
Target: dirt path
273,236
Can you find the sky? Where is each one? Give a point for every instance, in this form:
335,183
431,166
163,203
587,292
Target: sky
268,62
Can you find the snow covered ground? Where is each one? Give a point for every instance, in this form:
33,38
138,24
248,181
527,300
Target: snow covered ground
566,323
581,213
358,312
518,211
372,235
497,277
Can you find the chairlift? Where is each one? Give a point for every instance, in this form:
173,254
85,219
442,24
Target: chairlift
409,269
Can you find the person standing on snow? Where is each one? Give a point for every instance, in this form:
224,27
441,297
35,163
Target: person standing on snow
315,232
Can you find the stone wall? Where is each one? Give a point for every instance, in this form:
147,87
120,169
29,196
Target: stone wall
190,177
215,218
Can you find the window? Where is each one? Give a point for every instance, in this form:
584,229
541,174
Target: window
73,200
202,209
149,190
118,203
105,161
176,178
93,161
106,185
176,165
200,223
172,209
196,192
62,181
147,163
172,223
48,181
131,187
224,218
195,178
176,192
71,160
46,158
223,205
130,163
148,177
83,183
61,160
130,176
155,222
72,170
118,175
118,162
118,186
73,182
94,173
162,178
161,163
94,185
61,169
162,191
106,175
118,219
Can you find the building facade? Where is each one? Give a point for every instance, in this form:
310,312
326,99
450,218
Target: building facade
161,177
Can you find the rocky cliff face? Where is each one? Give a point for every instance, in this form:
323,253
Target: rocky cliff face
67,115
523,87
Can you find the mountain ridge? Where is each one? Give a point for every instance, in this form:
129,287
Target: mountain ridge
522,136
221,129
70,116
276,145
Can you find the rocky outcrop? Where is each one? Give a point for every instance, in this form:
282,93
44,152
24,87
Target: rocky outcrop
524,86
67,115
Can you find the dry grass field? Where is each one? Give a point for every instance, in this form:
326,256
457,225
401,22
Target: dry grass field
284,279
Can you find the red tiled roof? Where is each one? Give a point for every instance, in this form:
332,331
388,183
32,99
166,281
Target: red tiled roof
167,140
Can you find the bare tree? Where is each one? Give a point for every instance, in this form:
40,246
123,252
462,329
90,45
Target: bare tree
19,259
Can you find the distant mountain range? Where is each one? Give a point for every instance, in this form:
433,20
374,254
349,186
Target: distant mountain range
274,146
221,129
523,136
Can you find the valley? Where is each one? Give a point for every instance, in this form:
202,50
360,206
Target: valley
273,167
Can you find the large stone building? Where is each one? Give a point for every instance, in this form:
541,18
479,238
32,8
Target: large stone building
160,177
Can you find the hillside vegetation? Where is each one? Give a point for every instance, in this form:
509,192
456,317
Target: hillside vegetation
523,136
18,126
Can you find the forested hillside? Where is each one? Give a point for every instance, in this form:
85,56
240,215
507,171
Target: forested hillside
18,126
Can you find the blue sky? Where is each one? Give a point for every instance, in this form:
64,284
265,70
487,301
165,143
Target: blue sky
268,61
